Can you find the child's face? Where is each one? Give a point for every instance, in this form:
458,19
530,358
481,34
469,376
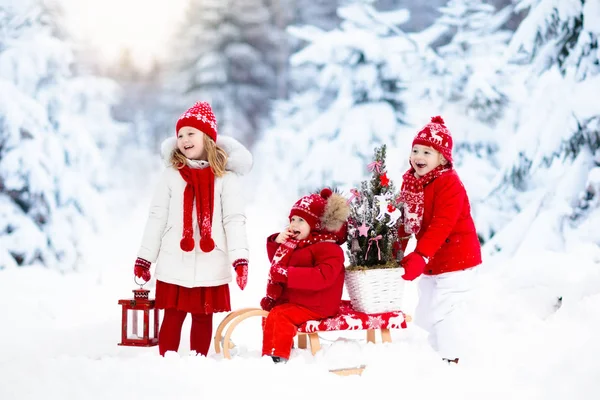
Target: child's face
299,227
190,142
425,159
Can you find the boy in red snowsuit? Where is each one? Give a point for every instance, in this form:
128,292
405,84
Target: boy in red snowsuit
437,210
306,278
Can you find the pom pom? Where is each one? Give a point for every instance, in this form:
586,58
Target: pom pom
326,193
187,244
267,303
207,244
437,119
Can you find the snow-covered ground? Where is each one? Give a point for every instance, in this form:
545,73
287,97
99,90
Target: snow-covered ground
60,332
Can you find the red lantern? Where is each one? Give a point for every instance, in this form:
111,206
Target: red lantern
139,323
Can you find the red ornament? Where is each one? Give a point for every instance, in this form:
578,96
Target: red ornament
391,208
385,181
139,320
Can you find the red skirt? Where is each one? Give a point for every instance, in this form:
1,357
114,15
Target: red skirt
198,300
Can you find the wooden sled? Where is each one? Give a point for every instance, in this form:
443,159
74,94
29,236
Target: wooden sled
310,329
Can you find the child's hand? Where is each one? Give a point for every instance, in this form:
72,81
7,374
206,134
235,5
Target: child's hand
414,265
285,235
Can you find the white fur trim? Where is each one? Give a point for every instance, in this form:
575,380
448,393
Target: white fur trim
166,149
239,159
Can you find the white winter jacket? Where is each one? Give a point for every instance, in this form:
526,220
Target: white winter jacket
164,228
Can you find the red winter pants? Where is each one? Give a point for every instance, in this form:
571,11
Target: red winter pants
169,335
281,326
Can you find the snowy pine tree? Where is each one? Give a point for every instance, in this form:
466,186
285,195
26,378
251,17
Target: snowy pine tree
319,13
462,75
466,75
549,177
53,127
472,58
226,54
325,134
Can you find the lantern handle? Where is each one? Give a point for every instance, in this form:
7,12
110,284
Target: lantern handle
141,285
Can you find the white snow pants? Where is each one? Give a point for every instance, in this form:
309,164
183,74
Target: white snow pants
439,310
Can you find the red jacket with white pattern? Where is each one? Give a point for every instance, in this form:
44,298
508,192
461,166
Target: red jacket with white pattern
447,235
315,276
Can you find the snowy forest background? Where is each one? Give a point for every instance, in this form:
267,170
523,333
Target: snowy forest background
311,87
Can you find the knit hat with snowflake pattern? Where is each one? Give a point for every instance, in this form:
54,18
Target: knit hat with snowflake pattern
436,135
201,117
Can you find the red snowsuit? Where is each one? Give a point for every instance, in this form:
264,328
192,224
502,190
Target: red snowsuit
314,291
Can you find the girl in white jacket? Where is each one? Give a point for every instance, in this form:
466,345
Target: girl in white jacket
196,229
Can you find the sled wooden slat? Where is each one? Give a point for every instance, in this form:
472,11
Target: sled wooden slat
223,324
257,312
348,371
315,345
302,342
386,336
371,336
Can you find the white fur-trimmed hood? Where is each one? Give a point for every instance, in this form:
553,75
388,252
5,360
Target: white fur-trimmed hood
239,159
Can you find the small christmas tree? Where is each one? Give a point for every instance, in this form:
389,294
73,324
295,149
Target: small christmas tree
374,217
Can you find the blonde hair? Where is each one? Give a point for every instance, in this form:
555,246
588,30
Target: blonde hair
217,157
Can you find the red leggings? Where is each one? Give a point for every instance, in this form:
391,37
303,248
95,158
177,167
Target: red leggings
281,326
169,335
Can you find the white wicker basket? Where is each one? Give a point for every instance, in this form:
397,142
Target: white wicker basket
376,290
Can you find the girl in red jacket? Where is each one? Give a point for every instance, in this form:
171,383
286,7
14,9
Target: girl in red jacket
306,278
437,212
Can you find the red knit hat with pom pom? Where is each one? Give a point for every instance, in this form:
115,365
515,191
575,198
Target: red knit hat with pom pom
436,135
201,117
311,208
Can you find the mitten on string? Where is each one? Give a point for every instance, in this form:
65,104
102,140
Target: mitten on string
142,269
241,270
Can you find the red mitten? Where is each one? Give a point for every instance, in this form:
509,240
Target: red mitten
274,290
414,265
267,303
241,270
142,269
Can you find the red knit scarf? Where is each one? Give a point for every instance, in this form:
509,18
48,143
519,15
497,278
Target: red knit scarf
284,251
200,184
412,194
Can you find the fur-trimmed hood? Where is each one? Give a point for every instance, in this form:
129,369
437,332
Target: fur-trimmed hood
239,159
